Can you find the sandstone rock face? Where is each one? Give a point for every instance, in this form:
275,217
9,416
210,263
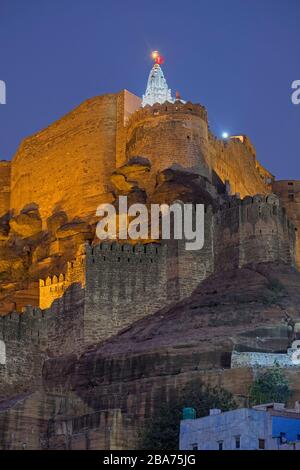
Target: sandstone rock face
73,228
55,221
26,225
101,399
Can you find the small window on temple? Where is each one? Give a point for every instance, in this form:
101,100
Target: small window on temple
291,197
261,444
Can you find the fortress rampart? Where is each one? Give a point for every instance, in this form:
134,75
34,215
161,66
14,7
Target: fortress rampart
289,193
253,230
234,160
67,166
112,285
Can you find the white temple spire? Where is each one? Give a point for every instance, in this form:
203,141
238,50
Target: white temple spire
157,90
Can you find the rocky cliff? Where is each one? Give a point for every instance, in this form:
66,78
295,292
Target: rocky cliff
101,399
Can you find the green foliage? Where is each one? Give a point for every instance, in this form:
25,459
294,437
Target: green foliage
271,386
162,432
275,285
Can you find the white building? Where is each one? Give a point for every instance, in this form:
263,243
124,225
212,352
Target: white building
157,90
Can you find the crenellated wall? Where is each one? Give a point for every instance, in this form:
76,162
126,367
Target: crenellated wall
53,288
123,283
253,230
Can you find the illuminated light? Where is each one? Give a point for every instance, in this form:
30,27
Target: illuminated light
158,59
225,135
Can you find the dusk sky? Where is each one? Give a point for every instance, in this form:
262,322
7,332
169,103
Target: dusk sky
237,57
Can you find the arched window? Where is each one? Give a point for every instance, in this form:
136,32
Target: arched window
2,353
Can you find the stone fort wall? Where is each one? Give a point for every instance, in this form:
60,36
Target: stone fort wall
67,165
234,160
289,193
123,283
252,230
170,134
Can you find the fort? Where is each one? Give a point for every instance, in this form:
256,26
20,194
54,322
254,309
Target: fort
61,289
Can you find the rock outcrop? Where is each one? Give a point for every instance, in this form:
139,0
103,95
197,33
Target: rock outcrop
101,399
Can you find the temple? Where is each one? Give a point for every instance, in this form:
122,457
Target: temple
157,90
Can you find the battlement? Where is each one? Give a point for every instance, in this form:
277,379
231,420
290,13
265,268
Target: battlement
54,287
167,108
138,250
233,141
29,326
258,199
49,281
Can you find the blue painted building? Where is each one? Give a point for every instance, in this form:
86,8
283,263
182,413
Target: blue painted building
264,427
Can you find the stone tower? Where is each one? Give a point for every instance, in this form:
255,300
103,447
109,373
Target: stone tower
168,131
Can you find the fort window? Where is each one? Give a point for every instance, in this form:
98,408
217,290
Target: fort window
237,442
220,445
291,197
290,183
2,353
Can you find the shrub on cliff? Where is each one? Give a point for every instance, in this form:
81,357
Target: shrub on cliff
269,387
162,431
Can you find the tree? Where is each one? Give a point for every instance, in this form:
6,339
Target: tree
162,431
270,386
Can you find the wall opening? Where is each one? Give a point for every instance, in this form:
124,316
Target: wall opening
2,353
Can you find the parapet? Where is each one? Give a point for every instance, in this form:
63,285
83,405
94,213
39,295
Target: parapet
116,250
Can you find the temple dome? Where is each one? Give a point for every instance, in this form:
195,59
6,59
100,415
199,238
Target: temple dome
157,90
